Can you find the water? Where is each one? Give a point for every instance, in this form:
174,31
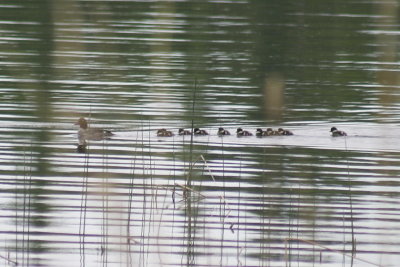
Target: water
141,200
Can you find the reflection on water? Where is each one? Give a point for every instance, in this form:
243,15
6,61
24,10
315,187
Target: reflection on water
142,200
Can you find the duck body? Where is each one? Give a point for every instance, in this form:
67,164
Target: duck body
335,132
164,133
241,132
197,131
94,134
222,132
184,132
284,132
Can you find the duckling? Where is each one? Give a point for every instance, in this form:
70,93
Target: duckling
164,133
241,132
260,132
335,132
197,131
222,132
95,134
184,132
284,132
271,132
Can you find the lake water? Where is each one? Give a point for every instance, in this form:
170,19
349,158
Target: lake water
141,200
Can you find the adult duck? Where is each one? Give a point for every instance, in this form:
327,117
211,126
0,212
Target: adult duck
87,133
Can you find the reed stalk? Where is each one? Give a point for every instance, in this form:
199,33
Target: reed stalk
353,239
83,207
189,211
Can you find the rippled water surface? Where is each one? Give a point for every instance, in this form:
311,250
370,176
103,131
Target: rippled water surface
141,200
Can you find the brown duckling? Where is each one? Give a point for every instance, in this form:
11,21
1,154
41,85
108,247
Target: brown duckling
271,132
241,132
164,133
197,131
222,132
184,132
284,132
261,133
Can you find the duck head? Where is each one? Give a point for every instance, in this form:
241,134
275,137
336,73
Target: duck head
82,123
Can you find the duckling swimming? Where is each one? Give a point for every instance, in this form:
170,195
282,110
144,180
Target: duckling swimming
260,132
284,132
335,132
184,132
164,133
271,132
197,131
241,132
222,132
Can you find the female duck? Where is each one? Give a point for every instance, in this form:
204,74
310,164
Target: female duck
164,133
335,132
197,131
95,134
222,132
241,132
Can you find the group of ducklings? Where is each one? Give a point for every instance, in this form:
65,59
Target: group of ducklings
86,133
240,132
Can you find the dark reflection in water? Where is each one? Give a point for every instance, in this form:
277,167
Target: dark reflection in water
138,199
